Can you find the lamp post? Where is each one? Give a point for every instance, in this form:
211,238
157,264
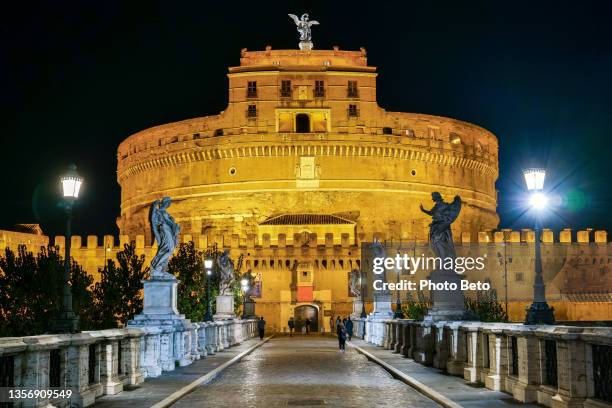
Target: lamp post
398,302
504,259
208,264
363,309
67,321
539,312
244,285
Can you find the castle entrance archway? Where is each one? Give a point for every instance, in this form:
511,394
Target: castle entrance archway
301,313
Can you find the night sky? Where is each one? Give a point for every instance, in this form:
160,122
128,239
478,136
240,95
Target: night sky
78,78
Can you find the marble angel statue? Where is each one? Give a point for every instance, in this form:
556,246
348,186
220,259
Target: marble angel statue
442,216
165,231
226,266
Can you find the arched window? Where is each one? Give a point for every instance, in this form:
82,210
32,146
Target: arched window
302,123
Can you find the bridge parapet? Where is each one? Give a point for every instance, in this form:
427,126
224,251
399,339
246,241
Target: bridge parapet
553,365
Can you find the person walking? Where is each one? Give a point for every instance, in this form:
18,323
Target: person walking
307,324
331,325
341,337
338,321
291,324
261,326
349,328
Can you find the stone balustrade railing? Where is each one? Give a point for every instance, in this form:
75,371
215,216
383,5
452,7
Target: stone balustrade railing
557,366
96,363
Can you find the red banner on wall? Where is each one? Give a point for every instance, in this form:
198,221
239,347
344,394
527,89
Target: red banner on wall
304,294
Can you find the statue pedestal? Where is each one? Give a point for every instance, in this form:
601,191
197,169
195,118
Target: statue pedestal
305,45
357,308
225,307
382,306
160,297
447,304
160,315
249,308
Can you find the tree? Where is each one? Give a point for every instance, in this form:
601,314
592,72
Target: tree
118,295
486,307
416,309
187,266
31,291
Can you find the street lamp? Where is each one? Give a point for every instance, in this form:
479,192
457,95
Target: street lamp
398,302
67,321
361,282
539,312
208,264
244,285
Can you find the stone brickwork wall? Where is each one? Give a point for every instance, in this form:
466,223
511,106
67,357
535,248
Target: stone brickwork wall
576,267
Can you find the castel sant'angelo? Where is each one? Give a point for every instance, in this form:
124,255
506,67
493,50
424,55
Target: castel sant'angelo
303,165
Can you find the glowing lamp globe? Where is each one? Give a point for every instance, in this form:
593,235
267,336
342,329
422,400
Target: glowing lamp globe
71,183
538,200
534,178
208,263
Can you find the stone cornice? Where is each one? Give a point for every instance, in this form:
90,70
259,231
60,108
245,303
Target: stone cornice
276,148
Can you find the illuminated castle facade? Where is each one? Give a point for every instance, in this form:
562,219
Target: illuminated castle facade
304,156
303,134
301,167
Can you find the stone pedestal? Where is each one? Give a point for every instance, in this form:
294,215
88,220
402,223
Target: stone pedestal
225,307
305,45
249,309
447,305
160,297
357,308
382,305
160,314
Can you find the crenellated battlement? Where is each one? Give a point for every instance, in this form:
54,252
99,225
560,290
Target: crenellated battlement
575,263
329,240
251,241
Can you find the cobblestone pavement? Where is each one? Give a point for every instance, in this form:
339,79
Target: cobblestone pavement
156,389
304,371
454,388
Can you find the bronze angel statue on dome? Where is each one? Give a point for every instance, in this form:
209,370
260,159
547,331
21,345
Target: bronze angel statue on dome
165,231
442,216
303,26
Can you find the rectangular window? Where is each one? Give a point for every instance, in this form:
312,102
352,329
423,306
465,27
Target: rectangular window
252,89
353,111
519,277
352,91
252,111
319,90
285,89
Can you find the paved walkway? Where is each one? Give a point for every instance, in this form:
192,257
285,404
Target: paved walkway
454,388
304,371
153,390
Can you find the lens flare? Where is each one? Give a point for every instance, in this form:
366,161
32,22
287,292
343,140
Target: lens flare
538,200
